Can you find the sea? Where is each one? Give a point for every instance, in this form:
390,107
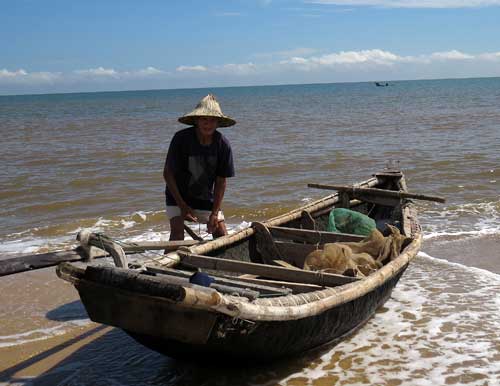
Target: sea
95,160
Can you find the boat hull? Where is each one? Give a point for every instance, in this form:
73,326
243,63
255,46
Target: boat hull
263,341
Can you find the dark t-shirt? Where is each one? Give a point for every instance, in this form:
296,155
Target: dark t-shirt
196,166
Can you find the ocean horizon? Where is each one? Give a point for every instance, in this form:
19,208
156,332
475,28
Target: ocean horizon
243,86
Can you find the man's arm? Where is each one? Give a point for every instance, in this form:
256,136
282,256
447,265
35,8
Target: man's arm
219,190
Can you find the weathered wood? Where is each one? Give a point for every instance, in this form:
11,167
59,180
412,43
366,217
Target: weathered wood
344,200
145,314
285,264
88,239
312,237
353,191
306,221
135,282
25,263
225,288
192,233
232,281
38,261
379,200
265,243
295,287
168,246
268,271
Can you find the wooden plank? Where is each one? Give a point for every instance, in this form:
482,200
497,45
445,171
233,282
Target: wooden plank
43,260
232,281
312,237
38,261
295,287
268,271
285,264
353,191
295,253
168,246
221,287
265,243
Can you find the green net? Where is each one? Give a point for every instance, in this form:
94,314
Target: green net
343,220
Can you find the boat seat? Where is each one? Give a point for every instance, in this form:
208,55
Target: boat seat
291,245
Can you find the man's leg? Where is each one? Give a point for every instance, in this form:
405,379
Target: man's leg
176,228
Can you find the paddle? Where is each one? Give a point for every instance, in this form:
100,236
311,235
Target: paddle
24,263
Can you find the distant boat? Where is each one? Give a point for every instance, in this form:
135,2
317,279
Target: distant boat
381,84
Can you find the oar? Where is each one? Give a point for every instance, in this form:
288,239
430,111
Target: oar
377,192
24,263
192,233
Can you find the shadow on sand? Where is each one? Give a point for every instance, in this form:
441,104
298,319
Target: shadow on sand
68,312
108,356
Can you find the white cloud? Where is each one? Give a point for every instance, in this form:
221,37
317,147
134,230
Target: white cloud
411,3
12,74
451,55
110,73
489,56
191,68
150,71
346,58
377,57
99,71
235,68
23,76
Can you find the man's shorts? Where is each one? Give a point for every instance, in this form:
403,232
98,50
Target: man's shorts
202,215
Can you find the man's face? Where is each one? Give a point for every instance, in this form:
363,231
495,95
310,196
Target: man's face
207,125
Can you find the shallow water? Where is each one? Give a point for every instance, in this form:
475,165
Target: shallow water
95,160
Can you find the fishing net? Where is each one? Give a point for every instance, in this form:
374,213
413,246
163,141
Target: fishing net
343,220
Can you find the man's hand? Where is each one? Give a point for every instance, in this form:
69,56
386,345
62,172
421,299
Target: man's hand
187,214
212,223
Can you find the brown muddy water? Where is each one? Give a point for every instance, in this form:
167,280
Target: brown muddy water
95,161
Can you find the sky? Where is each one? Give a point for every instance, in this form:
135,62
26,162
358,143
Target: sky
71,46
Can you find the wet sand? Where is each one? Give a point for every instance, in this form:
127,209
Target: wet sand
480,252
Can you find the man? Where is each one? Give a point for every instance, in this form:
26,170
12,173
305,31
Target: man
198,162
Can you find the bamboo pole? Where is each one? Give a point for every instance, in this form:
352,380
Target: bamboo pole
353,191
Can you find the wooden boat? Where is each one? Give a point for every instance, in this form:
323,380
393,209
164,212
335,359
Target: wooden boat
249,296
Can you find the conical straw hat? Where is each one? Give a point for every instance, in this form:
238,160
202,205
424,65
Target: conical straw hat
208,107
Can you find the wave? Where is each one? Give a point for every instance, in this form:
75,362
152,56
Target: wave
479,271
138,226
41,333
474,219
